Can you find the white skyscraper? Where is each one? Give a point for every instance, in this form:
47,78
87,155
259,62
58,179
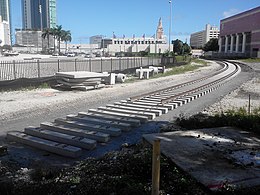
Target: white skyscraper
5,26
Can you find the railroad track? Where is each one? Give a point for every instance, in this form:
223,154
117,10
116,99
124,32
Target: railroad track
72,135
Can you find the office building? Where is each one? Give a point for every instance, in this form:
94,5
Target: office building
5,23
240,34
33,40
199,39
38,14
97,39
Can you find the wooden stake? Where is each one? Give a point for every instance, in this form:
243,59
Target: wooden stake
156,167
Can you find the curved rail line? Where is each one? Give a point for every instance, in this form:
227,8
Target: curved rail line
69,136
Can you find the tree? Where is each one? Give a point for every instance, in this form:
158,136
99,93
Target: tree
46,34
177,46
56,33
186,48
211,45
66,37
7,47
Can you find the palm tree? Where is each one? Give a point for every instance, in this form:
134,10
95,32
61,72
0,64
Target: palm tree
66,37
46,34
56,33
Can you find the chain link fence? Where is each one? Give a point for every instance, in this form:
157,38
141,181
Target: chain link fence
11,70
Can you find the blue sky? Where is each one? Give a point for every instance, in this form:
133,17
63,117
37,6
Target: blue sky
85,18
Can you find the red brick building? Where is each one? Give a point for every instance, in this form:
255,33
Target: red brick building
240,34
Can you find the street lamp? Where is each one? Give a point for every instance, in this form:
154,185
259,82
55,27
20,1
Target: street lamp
170,25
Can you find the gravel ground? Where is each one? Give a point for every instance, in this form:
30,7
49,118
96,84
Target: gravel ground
239,98
23,104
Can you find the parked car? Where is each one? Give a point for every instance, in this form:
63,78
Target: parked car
71,54
10,53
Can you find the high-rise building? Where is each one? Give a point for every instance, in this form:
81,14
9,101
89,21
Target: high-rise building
5,26
53,16
199,39
39,14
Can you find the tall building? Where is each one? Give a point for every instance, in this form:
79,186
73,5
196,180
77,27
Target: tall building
199,39
39,14
240,34
5,26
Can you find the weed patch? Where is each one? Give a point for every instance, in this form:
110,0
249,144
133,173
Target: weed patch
236,118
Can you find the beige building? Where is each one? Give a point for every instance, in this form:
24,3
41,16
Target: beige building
199,39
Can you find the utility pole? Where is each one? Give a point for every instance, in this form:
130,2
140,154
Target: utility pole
170,25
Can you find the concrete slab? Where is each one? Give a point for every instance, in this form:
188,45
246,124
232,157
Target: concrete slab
80,142
100,128
100,137
96,115
49,146
81,74
214,156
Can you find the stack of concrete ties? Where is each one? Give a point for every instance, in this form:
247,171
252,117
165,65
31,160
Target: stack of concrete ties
81,80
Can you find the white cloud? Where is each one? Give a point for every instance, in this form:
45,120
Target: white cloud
230,12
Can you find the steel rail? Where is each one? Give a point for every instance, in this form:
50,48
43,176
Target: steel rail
225,67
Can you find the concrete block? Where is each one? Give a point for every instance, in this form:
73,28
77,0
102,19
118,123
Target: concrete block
146,74
141,119
111,79
100,128
139,102
120,78
80,142
131,104
98,136
47,145
118,119
130,108
138,114
97,121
